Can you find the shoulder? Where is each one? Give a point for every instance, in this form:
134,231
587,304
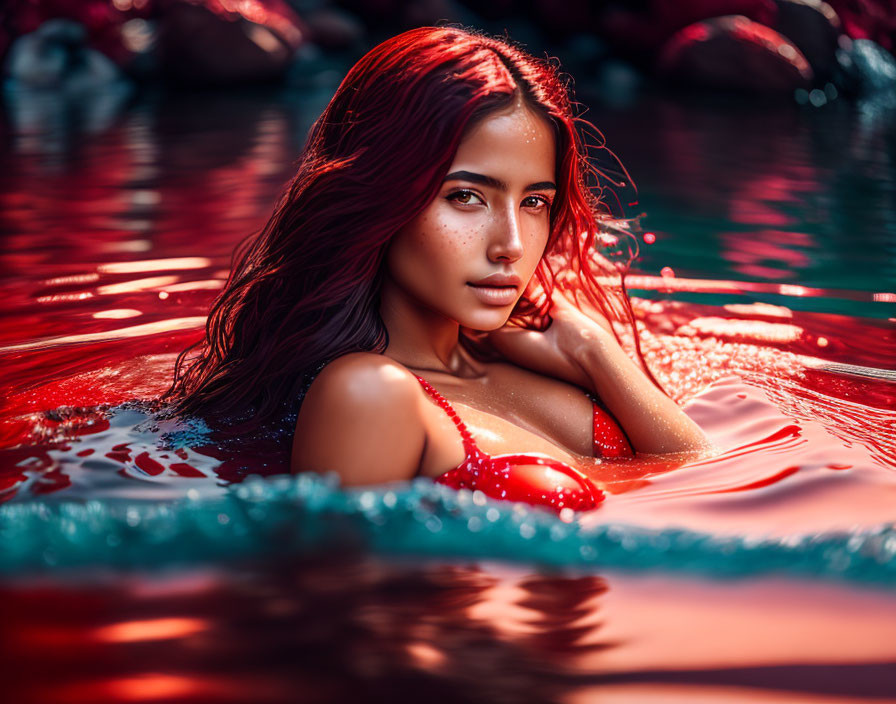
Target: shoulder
364,378
361,418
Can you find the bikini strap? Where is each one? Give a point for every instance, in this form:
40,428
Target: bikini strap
469,444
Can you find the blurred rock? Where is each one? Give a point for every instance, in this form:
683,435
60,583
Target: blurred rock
643,27
101,19
56,55
868,19
58,87
736,54
813,27
868,68
332,28
203,42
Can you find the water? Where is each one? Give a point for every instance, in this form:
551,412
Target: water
139,563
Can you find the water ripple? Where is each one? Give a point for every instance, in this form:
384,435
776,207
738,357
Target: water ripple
294,515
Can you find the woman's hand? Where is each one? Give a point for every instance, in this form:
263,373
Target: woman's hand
582,350
556,351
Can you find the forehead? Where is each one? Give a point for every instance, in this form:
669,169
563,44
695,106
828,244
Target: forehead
515,145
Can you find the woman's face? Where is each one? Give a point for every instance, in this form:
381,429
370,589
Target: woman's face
488,225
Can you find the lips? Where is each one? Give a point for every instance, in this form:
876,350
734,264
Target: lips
498,280
496,289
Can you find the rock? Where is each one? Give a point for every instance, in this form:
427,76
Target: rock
737,54
813,27
332,28
870,66
645,26
57,55
205,43
59,87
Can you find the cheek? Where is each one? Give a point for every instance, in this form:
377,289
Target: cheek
537,246
422,258
442,246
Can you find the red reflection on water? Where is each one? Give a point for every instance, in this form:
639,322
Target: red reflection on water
154,629
356,629
765,253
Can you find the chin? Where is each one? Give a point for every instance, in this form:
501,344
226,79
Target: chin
487,320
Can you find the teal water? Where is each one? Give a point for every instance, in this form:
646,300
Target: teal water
736,191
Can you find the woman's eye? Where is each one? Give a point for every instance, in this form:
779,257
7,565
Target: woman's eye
537,202
463,197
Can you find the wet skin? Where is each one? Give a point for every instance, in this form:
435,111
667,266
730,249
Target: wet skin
368,418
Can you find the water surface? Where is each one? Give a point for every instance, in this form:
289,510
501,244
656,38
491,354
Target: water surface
139,566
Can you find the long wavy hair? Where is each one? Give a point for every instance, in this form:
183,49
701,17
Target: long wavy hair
305,289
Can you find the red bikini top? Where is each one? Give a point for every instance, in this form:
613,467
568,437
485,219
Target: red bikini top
531,478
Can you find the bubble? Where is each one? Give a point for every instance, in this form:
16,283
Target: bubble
817,97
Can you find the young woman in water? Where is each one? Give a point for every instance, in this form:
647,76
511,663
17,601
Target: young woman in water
432,271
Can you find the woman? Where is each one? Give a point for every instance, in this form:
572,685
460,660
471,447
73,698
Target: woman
431,270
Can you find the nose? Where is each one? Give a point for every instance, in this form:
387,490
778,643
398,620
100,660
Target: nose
506,237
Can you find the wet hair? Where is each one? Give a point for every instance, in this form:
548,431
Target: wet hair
305,289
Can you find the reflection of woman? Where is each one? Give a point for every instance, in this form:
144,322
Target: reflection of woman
434,254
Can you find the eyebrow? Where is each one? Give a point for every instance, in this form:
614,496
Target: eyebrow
497,183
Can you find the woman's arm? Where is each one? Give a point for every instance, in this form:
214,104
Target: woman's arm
653,422
577,349
361,419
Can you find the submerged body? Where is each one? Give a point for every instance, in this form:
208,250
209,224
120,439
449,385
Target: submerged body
526,433
456,270
441,227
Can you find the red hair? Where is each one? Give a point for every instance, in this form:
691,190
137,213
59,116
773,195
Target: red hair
305,289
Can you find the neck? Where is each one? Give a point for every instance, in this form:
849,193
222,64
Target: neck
420,338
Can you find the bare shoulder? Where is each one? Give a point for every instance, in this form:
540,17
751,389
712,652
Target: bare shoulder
362,419
365,376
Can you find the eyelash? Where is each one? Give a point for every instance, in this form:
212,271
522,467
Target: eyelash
451,196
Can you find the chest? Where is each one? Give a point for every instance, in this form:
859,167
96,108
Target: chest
509,413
